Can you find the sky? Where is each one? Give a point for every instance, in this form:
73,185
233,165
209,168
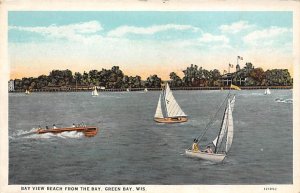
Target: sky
147,42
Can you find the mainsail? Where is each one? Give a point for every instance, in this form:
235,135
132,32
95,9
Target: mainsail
227,127
232,103
219,138
158,112
172,107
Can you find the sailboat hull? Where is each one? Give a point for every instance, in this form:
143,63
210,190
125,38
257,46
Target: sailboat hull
171,119
217,158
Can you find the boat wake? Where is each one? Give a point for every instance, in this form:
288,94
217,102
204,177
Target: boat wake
33,135
281,100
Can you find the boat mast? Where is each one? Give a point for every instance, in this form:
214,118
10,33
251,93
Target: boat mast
220,129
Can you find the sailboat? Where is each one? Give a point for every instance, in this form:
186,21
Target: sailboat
94,92
172,112
222,143
145,90
27,92
267,91
127,90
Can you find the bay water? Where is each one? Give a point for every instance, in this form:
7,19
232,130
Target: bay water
130,148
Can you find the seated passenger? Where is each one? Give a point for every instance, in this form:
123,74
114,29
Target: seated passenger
209,150
195,146
73,125
54,127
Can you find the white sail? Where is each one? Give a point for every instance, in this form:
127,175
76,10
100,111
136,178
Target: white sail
232,103
94,92
267,91
145,90
158,113
229,129
173,109
219,138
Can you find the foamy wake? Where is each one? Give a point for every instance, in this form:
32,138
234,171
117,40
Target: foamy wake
281,100
33,135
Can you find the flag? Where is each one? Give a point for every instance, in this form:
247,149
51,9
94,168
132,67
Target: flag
235,87
239,57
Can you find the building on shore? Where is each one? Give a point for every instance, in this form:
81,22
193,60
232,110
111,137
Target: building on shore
233,78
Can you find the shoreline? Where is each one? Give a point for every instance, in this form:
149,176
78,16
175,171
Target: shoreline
152,89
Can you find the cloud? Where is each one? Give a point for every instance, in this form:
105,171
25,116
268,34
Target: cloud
124,30
207,37
235,27
267,37
82,32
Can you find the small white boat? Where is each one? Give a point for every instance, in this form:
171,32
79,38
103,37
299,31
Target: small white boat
27,92
95,92
127,90
222,143
168,110
267,91
145,90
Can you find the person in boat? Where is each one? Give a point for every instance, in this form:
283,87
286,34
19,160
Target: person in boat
195,146
208,150
73,125
47,127
54,127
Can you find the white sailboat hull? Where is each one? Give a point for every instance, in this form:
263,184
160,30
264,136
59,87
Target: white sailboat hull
171,119
217,158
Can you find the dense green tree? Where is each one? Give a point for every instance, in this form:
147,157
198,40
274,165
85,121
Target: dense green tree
175,80
153,81
256,77
193,76
278,77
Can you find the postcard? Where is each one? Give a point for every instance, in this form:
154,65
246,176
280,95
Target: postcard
149,96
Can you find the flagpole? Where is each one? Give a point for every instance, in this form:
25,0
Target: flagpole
229,68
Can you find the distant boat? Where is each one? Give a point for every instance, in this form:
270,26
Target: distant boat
145,90
127,90
95,92
267,91
27,92
172,112
221,145
89,131
232,86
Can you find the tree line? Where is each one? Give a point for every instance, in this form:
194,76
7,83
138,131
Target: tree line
114,78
